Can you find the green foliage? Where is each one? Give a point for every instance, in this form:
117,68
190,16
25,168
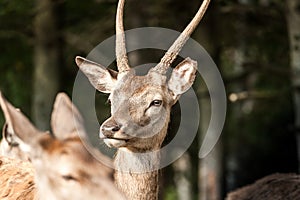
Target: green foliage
16,53
170,193
23,7
16,73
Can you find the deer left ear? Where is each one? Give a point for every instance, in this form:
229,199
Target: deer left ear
182,77
103,79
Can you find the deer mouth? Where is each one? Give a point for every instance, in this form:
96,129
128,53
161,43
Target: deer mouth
115,142
119,139
104,137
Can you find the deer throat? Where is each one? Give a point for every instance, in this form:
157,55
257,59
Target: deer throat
136,174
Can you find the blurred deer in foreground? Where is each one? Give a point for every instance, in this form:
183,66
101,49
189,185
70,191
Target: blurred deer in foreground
62,166
140,108
272,187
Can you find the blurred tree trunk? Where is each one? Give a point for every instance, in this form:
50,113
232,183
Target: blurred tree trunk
237,59
293,19
182,176
47,60
210,167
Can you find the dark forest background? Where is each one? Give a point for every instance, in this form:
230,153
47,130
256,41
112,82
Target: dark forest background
255,44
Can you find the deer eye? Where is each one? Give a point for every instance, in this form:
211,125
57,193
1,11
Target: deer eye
69,178
156,103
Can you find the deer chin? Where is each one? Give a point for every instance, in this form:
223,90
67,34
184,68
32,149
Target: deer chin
114,142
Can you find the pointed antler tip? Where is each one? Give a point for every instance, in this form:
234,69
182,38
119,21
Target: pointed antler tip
176,47
121,54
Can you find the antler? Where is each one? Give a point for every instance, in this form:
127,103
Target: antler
173,51
121,55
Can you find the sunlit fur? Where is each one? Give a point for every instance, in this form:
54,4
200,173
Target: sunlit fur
63,166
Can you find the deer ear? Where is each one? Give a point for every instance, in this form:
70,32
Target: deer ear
103,79
8,135
11,145
66,121
18,124
182,77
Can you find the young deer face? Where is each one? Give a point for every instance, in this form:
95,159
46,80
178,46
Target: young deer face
64,168
140,105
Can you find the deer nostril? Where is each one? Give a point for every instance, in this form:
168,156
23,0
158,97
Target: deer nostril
116,128
109,129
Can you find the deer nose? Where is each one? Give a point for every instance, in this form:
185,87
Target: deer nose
108,130
113,128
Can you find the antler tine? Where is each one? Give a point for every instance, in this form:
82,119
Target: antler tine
121,55
173,51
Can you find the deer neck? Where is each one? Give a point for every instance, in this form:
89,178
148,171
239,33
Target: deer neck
136,184
136,172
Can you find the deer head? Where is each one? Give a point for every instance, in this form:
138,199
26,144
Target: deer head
10,143
140,105
64,168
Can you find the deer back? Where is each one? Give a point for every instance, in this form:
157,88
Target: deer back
17,179
272,187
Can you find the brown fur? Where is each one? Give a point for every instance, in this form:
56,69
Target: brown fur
17,179
50,145
272,187
64,166
138,186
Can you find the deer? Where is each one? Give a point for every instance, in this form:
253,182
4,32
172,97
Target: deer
61,165
140,108
272,187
